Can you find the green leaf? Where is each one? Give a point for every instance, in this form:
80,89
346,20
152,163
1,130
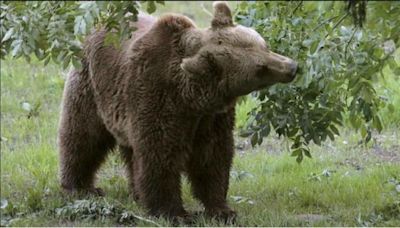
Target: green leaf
334,129
355,122
317,140
369,136
112,39
260,140
307,43
151,7
378,53
46,61
392,63
307,153
80,25
396,71
296,144
17,46
66,61
377,123
60,56
330,135
293,132
265,130
299,158
8,35
76,63
314,46
245,133
296,153
4,203
363,131
254,139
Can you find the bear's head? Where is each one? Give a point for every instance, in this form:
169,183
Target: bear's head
234,58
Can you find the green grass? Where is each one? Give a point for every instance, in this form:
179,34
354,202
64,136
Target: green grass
345,184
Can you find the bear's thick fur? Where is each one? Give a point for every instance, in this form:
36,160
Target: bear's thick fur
167,100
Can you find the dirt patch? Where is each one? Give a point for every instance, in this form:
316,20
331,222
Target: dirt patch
391,154
272,145
385,148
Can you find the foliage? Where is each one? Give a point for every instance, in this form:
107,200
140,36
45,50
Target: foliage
98,210
338,63
54,30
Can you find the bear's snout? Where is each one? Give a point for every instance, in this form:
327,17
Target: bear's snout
293,69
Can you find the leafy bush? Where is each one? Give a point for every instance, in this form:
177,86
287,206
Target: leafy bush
54,30
98,210
389,90
339,62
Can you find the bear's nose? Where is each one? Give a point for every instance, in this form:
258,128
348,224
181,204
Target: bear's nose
293,68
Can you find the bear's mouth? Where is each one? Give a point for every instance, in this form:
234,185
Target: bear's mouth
263,86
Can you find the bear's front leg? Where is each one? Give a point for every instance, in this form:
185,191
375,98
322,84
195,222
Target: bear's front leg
210,162
157,176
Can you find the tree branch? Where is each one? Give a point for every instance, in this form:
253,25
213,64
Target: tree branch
324,22
338,23
206,11
297,7
348,43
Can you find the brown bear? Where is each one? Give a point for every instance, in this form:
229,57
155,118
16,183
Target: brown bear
167,99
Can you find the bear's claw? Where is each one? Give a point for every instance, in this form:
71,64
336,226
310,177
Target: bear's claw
227,215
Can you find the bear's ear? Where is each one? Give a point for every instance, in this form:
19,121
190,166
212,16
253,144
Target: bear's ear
222,15
174,23
200,64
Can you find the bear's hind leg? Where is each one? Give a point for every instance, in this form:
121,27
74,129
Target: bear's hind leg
128,157
83,139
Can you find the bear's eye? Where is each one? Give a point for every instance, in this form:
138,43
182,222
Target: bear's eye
219,42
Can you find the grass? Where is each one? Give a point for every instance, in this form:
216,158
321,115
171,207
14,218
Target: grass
345,184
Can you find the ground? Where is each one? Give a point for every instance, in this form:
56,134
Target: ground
344,184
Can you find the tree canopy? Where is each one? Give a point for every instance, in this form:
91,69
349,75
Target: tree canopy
55,30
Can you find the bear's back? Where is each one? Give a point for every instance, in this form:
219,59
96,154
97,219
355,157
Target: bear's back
127,79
